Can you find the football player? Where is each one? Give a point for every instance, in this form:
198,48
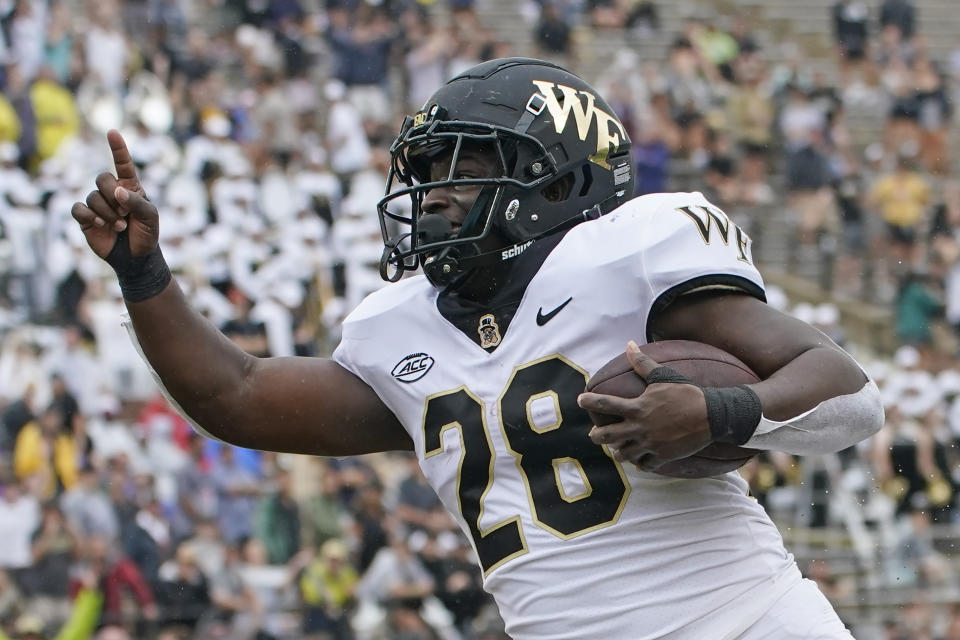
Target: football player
511,191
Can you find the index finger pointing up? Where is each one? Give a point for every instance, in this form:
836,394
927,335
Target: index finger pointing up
126,170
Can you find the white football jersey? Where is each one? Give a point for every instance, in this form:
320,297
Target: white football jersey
573,544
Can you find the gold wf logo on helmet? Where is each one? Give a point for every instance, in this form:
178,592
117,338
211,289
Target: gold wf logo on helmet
608,137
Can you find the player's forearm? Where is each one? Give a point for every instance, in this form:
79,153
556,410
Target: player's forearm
816,373
199,367
818,403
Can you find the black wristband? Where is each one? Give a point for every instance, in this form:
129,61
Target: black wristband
733,413
140,277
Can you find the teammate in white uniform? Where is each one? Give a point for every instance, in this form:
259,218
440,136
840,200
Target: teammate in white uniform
538,268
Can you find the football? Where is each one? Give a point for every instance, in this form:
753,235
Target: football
704,364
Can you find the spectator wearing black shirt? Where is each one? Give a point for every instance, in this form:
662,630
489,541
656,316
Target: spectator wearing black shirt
250,335
552,32
46,580
183,591
14,416
851,33
901,15
369,520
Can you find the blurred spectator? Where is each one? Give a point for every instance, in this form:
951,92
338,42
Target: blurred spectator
945,249
183,591
278,520
271,585
398,584
105,46
605,14
643,17
14,416
552,32
17,91
688,86
65,402
917,305
651,155
849,194
26,29
716,46
722,187
425,62
88,509
77,369
150,539
142,536
417,504
808,184
45,455
209,548
11,600
9,130
459,584
901,197
327,589
55,112
46,581
361,45
19,517
934,113
322,513
59,46
119,577
236,609
851,33
238,489
347,146
197,493
369,516
750,107
900,15
275,117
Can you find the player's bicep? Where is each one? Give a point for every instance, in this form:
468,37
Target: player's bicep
762,337
315,406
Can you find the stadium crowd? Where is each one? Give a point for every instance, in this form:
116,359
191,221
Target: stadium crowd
261,129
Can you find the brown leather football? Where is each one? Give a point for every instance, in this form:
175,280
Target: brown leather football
704,364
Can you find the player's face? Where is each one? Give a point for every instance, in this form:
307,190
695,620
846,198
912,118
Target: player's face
454,202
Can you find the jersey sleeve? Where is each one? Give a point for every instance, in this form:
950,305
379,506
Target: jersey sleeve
691,245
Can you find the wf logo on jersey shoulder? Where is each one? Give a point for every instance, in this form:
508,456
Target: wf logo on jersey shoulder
582,105
412,367
706,218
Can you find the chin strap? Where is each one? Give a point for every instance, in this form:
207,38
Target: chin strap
450,262
443,267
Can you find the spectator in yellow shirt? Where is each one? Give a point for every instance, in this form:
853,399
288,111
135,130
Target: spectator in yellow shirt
902,197
45,456
327,587
55,111
9,121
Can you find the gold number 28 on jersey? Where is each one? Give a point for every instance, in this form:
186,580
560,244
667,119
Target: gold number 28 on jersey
539,451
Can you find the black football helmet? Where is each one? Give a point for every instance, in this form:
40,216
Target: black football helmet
542,124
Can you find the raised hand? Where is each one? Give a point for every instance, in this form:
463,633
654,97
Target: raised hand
119,208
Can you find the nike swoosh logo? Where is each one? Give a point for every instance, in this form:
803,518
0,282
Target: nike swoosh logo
543,319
